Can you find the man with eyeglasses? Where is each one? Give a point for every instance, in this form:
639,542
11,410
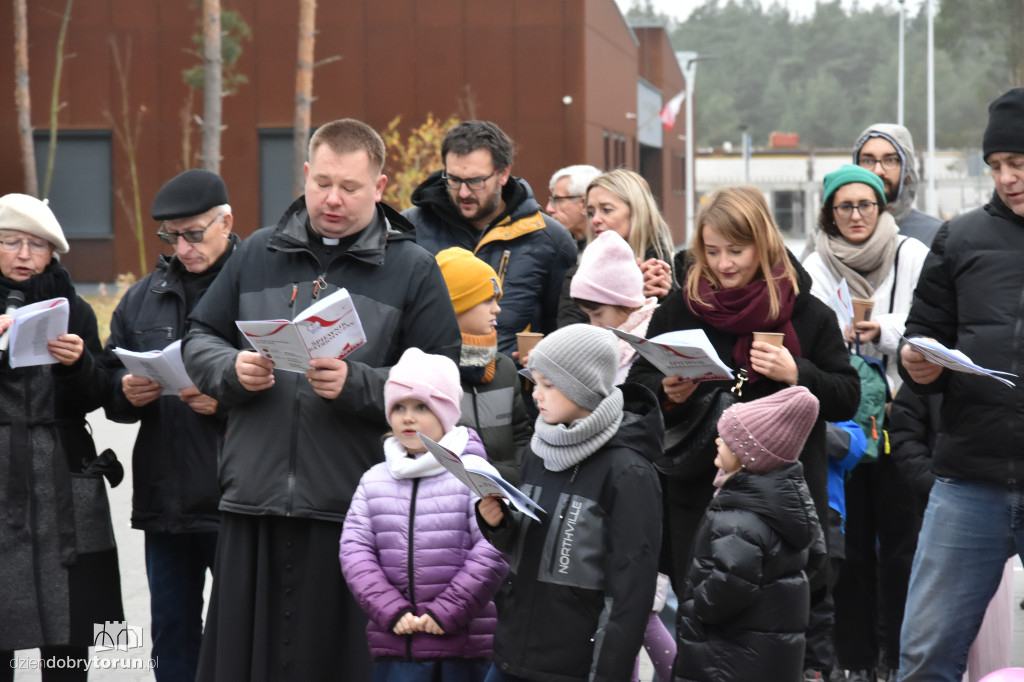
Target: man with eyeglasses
174,465
475,202
887,150
567,201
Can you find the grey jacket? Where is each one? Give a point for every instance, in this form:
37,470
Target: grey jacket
495,410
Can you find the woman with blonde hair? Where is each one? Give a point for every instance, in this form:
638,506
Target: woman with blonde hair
740,279
621,201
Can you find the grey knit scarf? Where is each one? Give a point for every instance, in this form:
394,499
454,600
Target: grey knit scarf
865,266
562,446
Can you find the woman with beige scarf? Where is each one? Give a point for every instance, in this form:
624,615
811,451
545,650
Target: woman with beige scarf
860,241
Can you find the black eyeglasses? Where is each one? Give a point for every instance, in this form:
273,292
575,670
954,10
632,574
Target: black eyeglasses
553,200
865,208
474,184
888,162
192,236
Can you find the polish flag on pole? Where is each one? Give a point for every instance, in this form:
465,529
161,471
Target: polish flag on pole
671,110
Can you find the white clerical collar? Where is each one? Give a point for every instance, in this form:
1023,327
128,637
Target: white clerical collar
330,242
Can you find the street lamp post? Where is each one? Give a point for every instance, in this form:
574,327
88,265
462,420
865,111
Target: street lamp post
899,70
688,65
933,200
745,137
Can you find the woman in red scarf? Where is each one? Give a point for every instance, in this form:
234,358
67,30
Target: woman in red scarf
740,279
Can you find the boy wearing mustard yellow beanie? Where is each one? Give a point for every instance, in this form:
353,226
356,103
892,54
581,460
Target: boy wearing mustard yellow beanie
492,404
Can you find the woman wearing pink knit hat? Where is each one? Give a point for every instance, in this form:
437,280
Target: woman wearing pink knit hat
744,608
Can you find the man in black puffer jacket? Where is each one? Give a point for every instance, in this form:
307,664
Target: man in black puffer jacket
970,297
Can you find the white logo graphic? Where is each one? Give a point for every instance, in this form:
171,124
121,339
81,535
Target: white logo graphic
117,635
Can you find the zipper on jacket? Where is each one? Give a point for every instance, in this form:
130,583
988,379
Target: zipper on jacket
503,266
318,284
476,411
1013,477
292,456
409,560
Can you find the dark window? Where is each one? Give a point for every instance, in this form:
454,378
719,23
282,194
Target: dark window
275,174
607,151
81,188
788,210
679,173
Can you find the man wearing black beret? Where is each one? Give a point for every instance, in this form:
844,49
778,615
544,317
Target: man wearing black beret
174,465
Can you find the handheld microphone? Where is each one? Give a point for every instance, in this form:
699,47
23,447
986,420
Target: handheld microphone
15,300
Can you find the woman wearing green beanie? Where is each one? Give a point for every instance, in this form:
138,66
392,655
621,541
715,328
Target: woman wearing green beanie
859,240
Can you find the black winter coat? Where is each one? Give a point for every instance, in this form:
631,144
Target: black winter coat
913,428
744,611
529,250
582,581
824,369
287,451
970,297
174,463
58,560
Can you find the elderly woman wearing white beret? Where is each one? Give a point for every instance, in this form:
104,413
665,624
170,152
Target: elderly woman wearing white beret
58,562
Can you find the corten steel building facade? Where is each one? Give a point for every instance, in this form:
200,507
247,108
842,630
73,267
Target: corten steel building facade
569,80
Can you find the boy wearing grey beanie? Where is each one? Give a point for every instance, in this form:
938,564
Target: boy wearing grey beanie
582,579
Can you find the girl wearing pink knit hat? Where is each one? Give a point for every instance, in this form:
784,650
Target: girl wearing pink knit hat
744,607
609,288
411,550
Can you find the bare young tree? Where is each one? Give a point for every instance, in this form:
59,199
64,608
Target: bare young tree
127,130
22,99
303,91
55,104
233,32
213,92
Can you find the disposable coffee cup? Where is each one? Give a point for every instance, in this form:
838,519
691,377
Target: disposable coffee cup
862,309
526,341
774,338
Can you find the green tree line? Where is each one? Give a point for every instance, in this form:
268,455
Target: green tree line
829,75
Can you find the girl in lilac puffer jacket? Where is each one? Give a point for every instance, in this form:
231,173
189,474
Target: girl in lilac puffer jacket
411,550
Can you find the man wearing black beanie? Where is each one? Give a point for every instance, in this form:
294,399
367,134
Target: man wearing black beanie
969,298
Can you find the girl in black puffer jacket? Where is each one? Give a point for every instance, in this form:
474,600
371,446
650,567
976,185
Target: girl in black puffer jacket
745,605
